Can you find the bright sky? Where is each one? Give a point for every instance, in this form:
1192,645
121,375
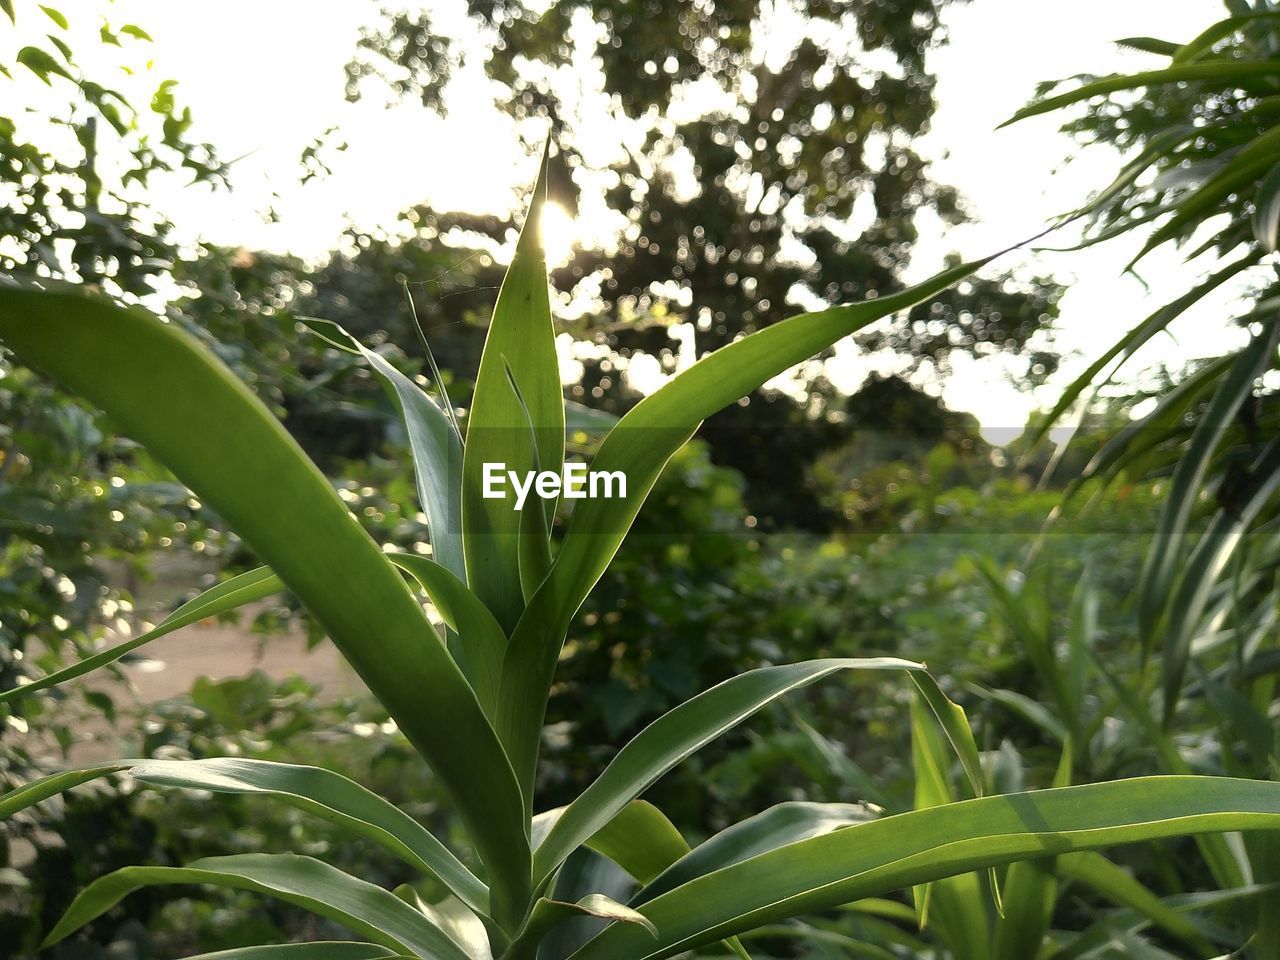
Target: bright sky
264,78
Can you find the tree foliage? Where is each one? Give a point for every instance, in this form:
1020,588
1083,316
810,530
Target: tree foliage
755,158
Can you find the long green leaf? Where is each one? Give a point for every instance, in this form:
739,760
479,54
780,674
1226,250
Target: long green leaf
1127,346
1031,892
1227,72
1026,707
954,906
1164,48
359,906
639,447
779,825
37,791
320,950
1120,887
332,797
641,840
1155,584
522,334
1244,168
433,441
676,735
480,639
228,595
189,410
1266,211
1158,147
873,858
534,550
1135,441
954,726
1203,43
1229,869
1203,568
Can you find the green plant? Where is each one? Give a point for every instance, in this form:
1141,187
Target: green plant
1203,137
1202,176
472,700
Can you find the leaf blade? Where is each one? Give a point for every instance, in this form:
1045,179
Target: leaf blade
1182,73
302,881
641,840
228,595
480,638
434,444
39,790
777,826
673,737
910,848
522,333
318,950
1266,211
331,796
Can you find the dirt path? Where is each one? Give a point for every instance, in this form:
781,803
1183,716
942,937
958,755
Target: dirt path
173,663
218,651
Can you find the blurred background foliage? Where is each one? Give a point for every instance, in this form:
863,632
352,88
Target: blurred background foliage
804,522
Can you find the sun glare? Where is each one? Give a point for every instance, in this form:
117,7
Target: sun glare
559,233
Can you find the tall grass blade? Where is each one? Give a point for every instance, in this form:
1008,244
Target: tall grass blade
956,906
1126,347
1031,893
1202,570
1155,584
431,360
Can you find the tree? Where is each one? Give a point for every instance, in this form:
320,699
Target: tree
760,157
